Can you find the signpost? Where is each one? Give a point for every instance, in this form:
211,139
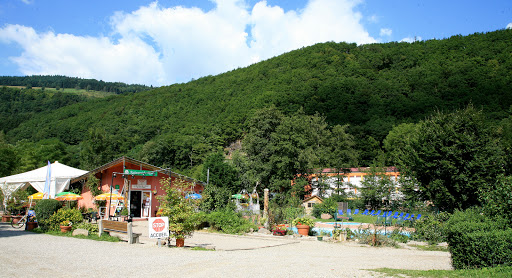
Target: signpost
144,173
158,228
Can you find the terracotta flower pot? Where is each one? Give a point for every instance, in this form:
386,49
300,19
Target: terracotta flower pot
16,219
31,225
180,242
303,230
6,218
65,229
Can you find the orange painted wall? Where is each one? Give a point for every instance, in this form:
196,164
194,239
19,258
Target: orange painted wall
106,180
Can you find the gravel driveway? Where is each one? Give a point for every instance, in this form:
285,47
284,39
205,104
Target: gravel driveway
26,254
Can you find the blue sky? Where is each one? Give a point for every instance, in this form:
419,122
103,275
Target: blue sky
173,41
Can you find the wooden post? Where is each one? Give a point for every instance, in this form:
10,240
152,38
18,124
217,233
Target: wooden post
265,207
129,230
100,227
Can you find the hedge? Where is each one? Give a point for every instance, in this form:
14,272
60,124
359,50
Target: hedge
475,240
482,249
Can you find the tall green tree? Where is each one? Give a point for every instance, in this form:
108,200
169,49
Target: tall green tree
377,188
220,173
452,157
342,154
257,145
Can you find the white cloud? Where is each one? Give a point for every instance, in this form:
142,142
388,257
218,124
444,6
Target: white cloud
509,26
385,32
161,45
28,2
129,60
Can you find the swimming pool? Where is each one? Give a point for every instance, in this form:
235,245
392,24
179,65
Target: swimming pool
329,231
345,223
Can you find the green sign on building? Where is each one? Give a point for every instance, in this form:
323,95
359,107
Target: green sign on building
145,173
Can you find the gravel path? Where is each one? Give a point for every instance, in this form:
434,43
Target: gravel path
26,254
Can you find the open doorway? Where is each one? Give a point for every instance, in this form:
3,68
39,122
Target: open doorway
135,203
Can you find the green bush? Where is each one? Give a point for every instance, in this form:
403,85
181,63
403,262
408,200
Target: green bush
498,201
330,206
483,249
229,222
283,214
463,228
373,238
397,235
92,228
44,209
431,228
64,216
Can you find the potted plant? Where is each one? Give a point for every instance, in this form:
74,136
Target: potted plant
279,230
124,213
320,236
64,219
31,220
6,217
183,215
303,225
65,226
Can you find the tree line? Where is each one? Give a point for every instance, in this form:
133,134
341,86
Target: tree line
61,82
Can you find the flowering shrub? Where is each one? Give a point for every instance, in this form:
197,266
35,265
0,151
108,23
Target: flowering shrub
64,216
66,223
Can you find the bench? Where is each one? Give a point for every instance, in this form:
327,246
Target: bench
118,227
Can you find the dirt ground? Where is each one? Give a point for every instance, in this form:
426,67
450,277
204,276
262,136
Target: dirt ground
26,254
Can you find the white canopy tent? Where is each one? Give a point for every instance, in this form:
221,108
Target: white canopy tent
60,178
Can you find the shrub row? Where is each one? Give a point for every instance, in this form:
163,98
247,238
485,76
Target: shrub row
483,249
478,241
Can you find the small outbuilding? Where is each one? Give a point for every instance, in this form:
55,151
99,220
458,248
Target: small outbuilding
310,202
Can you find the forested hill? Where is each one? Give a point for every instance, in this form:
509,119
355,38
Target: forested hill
61,82
370,87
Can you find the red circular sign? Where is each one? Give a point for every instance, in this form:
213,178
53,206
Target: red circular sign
158,225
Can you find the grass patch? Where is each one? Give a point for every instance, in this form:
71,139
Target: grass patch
499,271
356,218
90,93
199,248
430,247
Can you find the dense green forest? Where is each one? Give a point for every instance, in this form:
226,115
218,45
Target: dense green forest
19,105
61,82
364,90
